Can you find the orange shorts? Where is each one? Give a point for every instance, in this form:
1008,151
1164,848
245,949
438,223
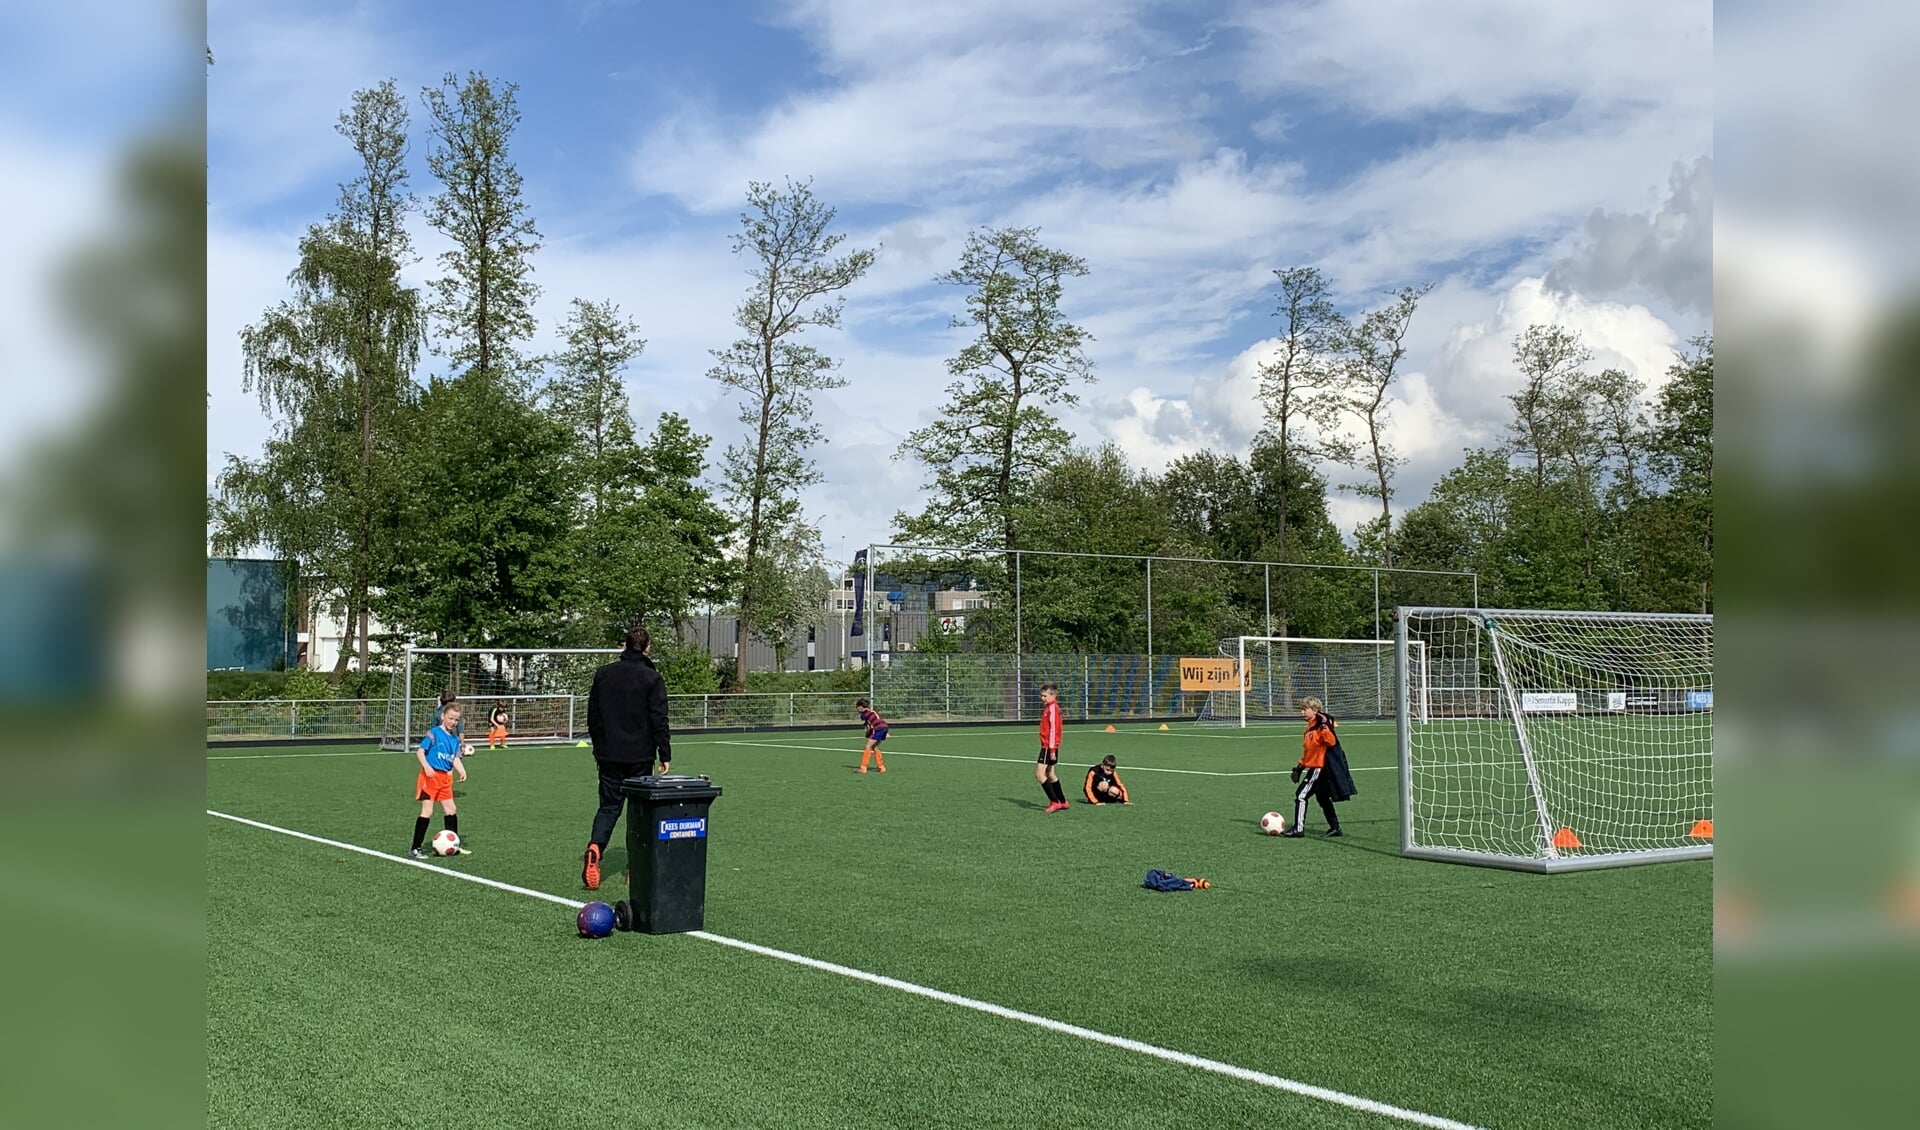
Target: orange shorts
497,734
433,786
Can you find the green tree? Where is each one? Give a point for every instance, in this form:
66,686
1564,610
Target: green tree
997,433
1549,410
492,509
1088,501
672,464
488,523
483,300
585,392
1674,530
796,283
792,586
1375,347
335,363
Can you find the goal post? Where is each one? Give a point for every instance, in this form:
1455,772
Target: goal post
1555,740
543,689
1354,678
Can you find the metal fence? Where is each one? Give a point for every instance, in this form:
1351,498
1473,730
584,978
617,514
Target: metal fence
968,687
295,718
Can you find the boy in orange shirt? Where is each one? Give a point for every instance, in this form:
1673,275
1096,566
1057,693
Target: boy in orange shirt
1322,771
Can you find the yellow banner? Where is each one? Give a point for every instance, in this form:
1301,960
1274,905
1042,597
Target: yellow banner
1209,674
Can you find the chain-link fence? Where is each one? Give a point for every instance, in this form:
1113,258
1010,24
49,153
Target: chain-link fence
560,717
295,718
905,598
971,687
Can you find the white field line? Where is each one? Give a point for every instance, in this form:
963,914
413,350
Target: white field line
1275,1082
278,756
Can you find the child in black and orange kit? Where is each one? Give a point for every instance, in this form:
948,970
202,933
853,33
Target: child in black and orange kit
876,734
1103,784
1322,772
1046,771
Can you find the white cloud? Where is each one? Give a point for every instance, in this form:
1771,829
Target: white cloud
1404,58
964,100
922,123
280,79
1668,252
1451,395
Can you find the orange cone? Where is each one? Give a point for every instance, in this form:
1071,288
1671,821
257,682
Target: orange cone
1702,830
1111,730
1163,725
1905,904
1565,838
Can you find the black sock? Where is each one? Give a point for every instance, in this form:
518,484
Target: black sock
420,831
1053,791
1047,788
451,822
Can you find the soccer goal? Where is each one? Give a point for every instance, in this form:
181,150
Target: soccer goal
1353,678
543,689
1557,741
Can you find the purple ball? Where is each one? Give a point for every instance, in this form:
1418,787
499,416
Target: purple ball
596,920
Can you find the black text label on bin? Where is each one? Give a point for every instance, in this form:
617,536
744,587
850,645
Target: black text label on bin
687,828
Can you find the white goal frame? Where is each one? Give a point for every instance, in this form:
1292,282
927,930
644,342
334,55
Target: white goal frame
1386,649
1504,707
402,699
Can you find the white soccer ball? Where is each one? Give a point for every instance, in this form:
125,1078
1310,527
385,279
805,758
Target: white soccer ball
446,843
1272,823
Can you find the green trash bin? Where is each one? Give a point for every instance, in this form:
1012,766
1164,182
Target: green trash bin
666,854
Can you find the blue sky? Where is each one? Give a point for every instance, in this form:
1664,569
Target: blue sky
1534,162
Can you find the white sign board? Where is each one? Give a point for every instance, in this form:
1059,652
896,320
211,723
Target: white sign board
1616,700
1549,702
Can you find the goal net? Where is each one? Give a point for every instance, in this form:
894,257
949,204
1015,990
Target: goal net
1556,741
1353,678
544,691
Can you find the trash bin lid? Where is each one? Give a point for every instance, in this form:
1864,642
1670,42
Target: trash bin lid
670,781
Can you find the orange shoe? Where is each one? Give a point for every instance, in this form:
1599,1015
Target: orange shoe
590,873
883,769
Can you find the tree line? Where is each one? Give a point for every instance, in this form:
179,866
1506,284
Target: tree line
508,499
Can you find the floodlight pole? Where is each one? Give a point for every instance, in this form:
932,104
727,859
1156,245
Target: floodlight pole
1150,695
873,686
1266,583
406,713
1019,687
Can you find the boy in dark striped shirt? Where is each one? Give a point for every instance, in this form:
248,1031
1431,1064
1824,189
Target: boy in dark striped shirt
876,734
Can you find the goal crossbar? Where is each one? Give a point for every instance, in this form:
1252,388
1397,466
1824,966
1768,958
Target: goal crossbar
1353,678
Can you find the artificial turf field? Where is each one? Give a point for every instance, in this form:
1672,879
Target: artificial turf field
349,990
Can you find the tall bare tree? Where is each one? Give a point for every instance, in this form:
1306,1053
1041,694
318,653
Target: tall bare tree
483,302
1375,349
797,280
1299,386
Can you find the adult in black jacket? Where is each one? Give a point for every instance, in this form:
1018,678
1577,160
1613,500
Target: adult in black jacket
627,721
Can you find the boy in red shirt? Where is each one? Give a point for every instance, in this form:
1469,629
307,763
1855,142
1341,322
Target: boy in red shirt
1046,772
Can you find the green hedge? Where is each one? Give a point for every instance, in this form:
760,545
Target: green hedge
231,686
